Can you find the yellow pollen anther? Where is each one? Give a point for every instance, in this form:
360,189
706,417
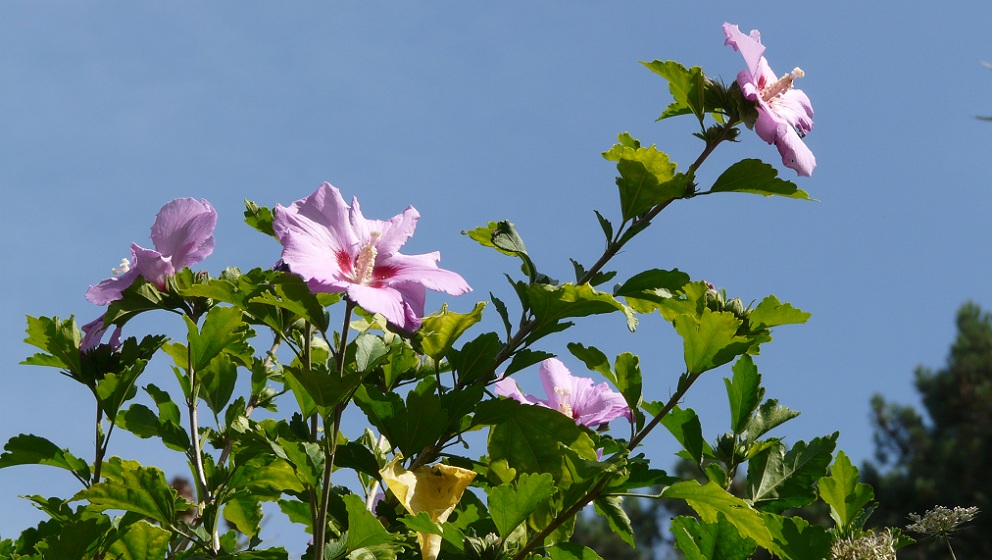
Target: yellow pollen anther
365,263
121,268
783,84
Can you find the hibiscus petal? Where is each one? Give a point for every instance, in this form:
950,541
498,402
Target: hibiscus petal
384,300
151,265
397,231
327,208
796,109
183,229
311,249
749,46
795,154
423,269
560,385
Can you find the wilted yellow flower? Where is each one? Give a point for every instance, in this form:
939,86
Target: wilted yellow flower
435,490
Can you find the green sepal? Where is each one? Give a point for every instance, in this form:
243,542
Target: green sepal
758,177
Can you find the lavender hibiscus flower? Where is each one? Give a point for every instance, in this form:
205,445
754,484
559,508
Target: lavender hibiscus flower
785,114
183,234
575,397
336,249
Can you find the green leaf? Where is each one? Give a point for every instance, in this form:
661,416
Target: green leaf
525,358
572,551
744,392
756,176
709,500
59,338
510,504
285,291
527,437
259,217
27,449
224,330
142,490
364,530
686,85
323,389
772,313
369,350
795,539
476,358
503,237
440,330
843,493
245,511
705,336
611,507
628,379
768,416
593,358
645,290
778,480
217,382
141,541
647,179
718,540
685,426
552,304
411,425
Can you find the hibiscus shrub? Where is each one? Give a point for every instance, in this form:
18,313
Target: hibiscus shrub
339,322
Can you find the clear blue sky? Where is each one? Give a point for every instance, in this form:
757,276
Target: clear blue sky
476,112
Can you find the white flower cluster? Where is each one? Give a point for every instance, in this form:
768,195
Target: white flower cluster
941,520
870,546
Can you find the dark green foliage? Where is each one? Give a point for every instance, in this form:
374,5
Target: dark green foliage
943,454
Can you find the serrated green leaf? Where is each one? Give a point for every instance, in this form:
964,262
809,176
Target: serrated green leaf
778,480
476,358
647,179
439,331
795,539
224,330
142,490
768,416
259,217
686,86
744,392
611,508
364,530
593,358
510,504
527,437
141,541
704,337
552,304
525,358
59,338
843,493
572,551
709,500
628,379
28,449
718,540
772,313
685,426
758,177
245,511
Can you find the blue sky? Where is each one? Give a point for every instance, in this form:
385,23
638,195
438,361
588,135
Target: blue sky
476,112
